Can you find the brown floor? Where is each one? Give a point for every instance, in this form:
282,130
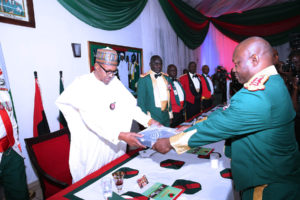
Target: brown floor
35,189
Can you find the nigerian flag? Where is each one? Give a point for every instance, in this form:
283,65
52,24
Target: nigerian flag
61,118
4,84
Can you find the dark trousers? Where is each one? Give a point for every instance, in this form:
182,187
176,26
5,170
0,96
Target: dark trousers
207,103
193,109
178,118
12,176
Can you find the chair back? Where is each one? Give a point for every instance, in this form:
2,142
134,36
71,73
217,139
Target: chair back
49,156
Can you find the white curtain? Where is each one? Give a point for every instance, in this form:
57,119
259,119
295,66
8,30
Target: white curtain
160,39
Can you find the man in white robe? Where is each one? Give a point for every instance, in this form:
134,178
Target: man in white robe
99,111
123,70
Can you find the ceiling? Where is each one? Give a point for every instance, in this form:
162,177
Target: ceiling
215,8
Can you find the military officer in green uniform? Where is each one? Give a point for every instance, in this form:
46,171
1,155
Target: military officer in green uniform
259,121
153,93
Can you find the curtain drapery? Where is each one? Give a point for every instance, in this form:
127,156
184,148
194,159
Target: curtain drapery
274,23
106,15
190,25
159,38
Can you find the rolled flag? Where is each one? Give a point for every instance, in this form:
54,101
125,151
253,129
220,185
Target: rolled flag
61,118
40,123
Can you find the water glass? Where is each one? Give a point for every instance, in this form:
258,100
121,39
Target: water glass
214,160
106,185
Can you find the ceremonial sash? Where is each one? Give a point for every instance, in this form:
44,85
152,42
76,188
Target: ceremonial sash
207,83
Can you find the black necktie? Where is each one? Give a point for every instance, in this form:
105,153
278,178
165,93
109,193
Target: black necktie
195,76
157,75
174,79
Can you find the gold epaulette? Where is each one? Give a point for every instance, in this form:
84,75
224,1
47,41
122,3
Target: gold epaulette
164,74
145,74
257,83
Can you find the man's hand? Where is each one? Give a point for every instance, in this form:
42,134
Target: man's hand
295,81
131,139
154,122
182,128
162,145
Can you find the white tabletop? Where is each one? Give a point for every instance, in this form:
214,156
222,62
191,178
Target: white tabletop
214,187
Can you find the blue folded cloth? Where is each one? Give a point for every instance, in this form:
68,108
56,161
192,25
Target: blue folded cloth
151,134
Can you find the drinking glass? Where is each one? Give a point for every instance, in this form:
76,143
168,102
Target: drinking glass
118,179
106,185
214,160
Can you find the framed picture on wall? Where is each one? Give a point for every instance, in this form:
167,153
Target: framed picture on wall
18,12
130,62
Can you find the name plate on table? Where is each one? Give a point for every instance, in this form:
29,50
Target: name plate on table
151,134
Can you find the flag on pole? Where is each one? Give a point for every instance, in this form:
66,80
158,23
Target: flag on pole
61,118
4,85
40,123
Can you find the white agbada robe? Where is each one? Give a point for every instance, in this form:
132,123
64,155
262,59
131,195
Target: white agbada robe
96,114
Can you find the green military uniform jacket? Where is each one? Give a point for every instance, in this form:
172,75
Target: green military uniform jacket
260,123
146,101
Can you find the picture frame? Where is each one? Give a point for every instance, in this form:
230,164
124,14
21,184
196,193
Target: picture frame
17,12
129,68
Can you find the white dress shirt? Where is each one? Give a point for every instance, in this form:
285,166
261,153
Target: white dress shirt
179,90
210,83
196,81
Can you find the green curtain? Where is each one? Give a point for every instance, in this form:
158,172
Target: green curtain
274,23
106,14
190,25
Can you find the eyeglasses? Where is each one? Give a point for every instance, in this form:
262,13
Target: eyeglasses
108,72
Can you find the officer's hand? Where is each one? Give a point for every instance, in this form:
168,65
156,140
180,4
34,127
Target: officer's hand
155,123
131,139
162,145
